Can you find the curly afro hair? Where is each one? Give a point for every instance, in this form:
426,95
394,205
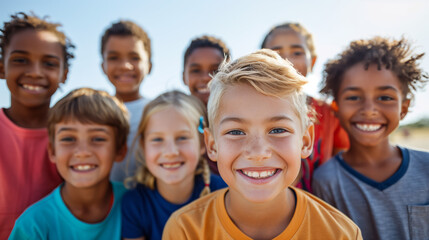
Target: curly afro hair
22,21
395,55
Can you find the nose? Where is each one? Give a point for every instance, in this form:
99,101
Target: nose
35,70
258,149
206,76
170,150
369,108
82,150
126,64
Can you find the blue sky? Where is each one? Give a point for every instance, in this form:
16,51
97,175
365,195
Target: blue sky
241,24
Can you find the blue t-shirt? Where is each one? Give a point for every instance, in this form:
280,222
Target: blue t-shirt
145,211
50,218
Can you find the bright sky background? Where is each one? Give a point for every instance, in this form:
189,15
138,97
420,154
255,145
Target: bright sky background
242,24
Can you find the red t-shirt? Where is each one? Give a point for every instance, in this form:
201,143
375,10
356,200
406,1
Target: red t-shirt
328,134
26,174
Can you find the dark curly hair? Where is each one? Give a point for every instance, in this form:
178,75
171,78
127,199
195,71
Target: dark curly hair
395,55
22,21
298,28
206,41
127,28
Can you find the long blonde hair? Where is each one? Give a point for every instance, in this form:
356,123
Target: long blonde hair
192,109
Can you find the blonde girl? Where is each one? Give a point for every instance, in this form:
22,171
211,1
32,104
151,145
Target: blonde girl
172,171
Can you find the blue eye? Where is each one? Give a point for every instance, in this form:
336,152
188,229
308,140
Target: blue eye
278,130
99,139
235,132
183,138
157,139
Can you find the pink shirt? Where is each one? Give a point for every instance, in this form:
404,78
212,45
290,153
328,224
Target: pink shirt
26,174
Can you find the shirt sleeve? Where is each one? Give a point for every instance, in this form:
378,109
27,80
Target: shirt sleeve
173,230
132,216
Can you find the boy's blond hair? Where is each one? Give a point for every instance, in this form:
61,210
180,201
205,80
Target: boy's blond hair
192,109
265,71
87,105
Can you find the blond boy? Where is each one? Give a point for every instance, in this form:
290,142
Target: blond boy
259,131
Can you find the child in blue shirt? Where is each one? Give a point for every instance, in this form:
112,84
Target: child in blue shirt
380,186
173,171
87,134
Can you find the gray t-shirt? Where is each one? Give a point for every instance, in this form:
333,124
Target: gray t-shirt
397,208
127,167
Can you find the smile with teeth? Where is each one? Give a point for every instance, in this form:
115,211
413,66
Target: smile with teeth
259,174
83,167
32,87
203,90
171,165
368,127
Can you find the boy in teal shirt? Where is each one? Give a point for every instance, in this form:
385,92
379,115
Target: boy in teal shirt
87,134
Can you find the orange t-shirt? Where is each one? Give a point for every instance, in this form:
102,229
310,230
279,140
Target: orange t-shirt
26,174
207,218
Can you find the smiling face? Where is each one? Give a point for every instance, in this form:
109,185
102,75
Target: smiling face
171,147
33,68
371,104
84,153
200,63
126,63
291,45
258,143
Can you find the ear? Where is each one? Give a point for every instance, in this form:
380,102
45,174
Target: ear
2,74
183,78
307,141
210,145
404,108
102,67
51,153
313,61
65,74
120,155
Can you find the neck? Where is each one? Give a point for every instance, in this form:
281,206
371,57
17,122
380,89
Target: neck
89,205
28,117
176,193
372,155
128,97
273,216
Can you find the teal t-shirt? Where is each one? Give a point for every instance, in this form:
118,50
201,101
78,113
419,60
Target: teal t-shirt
50,218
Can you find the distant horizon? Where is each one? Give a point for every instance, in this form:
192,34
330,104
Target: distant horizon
241,24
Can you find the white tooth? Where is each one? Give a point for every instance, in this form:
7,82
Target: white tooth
255,175
83,167
171,165
263,174
31,87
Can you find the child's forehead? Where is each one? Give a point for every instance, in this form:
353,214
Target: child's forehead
76,124
33,40
244,101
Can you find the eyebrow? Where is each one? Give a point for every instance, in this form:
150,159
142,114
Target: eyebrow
272,119
25,52
75,130
383,88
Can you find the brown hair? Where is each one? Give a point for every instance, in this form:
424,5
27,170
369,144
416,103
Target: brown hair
298,28
204,42
87,105
128,28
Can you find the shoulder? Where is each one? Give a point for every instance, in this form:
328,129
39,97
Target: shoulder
37,217
326,170
118,189
198,209
325,216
